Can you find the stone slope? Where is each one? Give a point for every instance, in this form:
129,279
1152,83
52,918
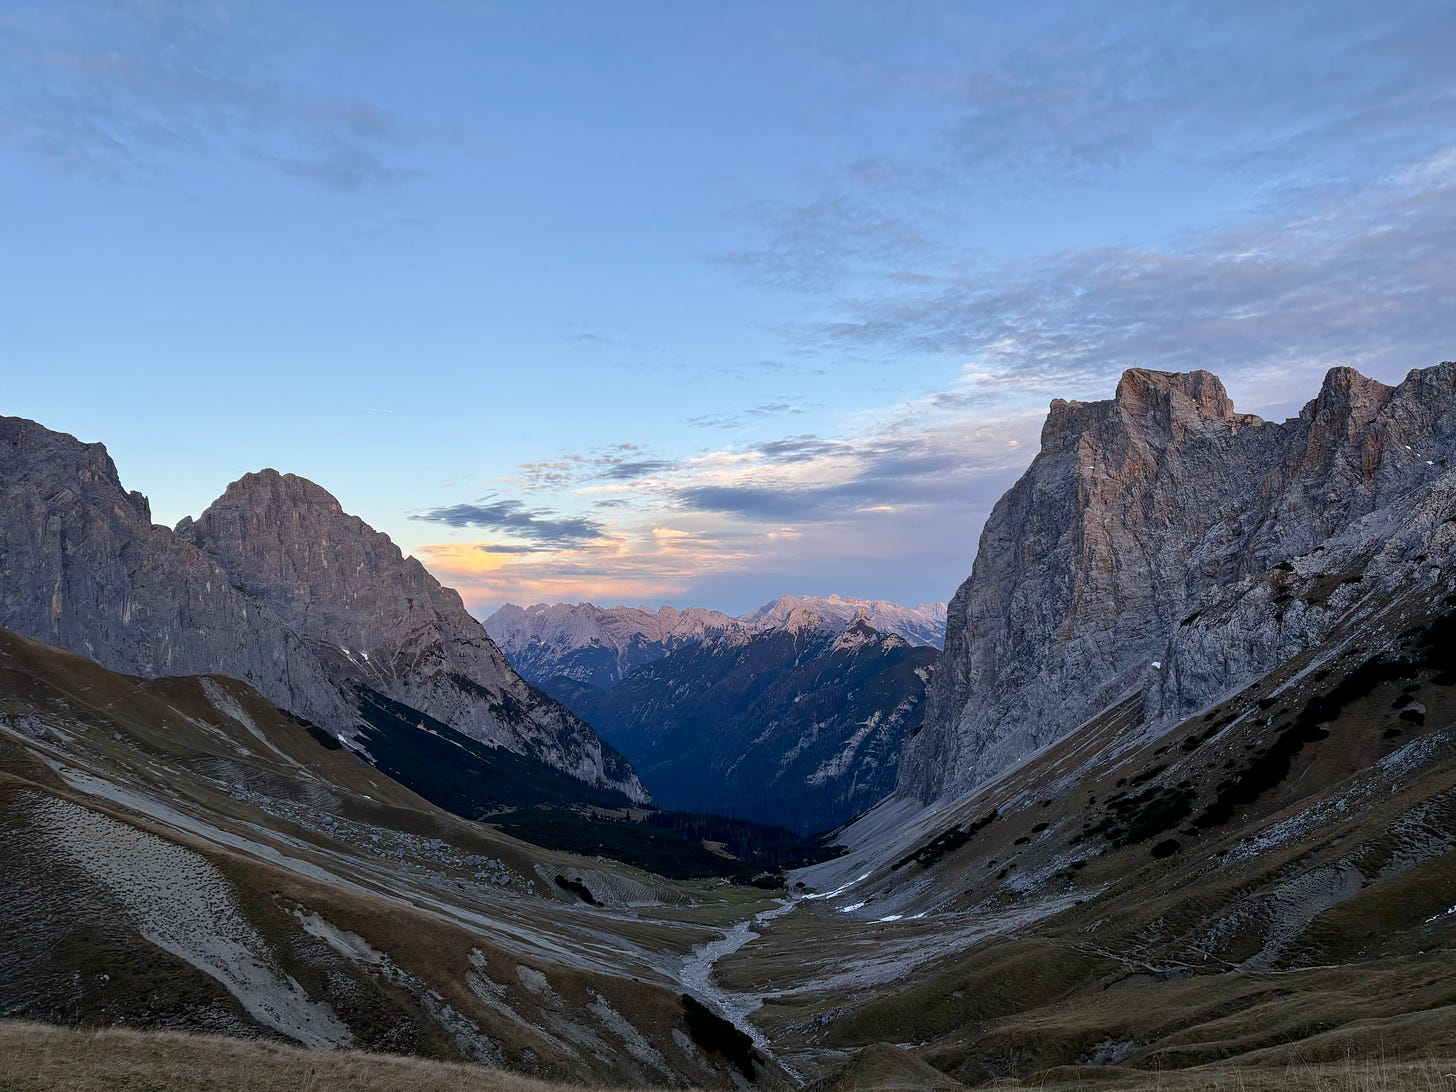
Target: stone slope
1140,524
248,592
180,853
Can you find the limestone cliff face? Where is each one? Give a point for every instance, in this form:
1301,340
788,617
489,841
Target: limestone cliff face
275,585
379,618
1161,526
82,566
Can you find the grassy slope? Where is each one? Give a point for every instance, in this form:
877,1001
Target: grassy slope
556,988
39,1058
1309,925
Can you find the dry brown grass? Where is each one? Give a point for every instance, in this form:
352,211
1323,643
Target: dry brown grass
1369,1075
39,1058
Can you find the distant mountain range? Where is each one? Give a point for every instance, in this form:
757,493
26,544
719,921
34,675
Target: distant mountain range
793,714
602,645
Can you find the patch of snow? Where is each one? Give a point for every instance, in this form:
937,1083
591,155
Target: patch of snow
840,890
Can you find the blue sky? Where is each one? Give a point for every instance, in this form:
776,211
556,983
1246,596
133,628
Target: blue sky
697,303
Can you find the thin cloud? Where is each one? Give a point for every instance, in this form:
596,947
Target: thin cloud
1362,282
508,548
513,517
1273,107
117,90
736,419
818,245
622,462
631,469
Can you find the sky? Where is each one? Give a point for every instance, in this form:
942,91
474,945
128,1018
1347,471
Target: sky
697,303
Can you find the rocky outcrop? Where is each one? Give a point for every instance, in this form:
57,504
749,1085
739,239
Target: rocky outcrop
83,567
1148,548
274,585
378,618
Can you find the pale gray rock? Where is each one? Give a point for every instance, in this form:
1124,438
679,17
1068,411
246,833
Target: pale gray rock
1164,528
379,618
83,567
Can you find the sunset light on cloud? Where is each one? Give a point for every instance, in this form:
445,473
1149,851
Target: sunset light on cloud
789,329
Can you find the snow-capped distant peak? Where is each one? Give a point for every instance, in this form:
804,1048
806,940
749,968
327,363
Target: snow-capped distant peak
921,625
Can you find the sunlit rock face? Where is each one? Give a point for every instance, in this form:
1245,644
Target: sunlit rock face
1160,527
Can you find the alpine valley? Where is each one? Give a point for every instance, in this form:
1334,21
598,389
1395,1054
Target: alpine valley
1175,807
794,714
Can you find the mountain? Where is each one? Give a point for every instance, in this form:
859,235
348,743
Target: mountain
798,724
1196,830
596,645
1164,546
1262,887
273,585
603,645
793,714
1181,811
181,854
921,625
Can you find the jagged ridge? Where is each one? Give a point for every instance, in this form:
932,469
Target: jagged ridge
1146,530
274,585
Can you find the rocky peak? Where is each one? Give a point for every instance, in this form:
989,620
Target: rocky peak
1153,407
1170,396
290,543
1347,397
275,585
268,490
381,620
1136,510
57,459
861,634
